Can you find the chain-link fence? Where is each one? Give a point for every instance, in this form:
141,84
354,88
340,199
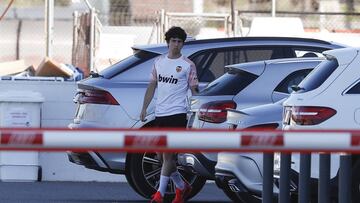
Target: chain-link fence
131,22
330,15
22,31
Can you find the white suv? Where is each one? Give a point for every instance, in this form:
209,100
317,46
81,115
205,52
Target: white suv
328,98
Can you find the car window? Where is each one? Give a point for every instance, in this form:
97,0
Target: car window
355,89
308,52
230,83
318,76
201,61
127,63
293,78
210,64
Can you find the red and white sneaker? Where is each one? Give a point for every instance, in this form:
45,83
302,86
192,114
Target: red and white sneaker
182,195
156,198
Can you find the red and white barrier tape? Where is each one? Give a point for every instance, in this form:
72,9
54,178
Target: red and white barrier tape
179,140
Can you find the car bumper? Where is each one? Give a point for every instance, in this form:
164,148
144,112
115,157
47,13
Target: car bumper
313,185
199,164
112,162
242,172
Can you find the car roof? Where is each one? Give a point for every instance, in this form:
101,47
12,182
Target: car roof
257,67
162,48
344,55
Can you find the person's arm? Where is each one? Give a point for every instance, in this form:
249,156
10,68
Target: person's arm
149,94
193,80
194,89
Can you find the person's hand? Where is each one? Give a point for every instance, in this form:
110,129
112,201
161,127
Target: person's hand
143,115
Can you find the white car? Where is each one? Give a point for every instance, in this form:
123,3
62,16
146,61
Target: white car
239,175
244,85
328,98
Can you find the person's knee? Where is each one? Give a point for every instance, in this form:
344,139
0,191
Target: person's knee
168,157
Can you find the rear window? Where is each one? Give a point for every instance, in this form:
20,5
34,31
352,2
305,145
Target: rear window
318,75
127,63
230,83
355,89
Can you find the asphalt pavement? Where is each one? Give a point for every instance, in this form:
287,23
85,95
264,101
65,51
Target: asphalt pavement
79,192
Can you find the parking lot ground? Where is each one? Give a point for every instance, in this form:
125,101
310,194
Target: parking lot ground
79,192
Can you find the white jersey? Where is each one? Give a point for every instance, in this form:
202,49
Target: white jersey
174,77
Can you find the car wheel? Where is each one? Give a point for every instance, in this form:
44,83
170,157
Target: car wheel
130,180
145,175
355,183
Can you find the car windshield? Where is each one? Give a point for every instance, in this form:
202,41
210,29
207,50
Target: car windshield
318,75
230,83
139,57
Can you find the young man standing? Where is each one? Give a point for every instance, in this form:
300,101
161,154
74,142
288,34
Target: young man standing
173,74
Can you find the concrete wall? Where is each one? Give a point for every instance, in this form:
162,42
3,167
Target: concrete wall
58,110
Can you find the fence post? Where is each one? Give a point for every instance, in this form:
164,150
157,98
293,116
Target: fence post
304,178
75,37
285,164
324,179
345,178
268,173
92,39
273,8
49,12
162,25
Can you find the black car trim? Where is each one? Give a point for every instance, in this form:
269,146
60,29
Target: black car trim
233,39
223,177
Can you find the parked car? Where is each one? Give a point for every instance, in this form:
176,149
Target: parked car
113,97
244,85
327,99
239,175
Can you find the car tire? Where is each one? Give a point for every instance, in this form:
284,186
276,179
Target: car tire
130,180
145,175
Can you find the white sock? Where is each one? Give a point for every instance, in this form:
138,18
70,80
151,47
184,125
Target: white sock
164,180
178,181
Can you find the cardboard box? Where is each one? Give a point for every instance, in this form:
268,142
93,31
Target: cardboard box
49,67
15,67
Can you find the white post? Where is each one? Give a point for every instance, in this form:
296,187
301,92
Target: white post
92,39
273,8
198,6
49,26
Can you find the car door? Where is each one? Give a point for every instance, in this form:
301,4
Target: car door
353,95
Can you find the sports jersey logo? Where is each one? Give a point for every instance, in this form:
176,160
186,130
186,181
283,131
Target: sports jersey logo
171,79
178,69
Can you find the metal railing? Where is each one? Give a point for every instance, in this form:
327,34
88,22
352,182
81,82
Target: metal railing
167,140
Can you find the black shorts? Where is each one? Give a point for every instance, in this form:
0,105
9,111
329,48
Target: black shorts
172,121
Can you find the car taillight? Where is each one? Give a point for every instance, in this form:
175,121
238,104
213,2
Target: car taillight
96,97
215,112
311,115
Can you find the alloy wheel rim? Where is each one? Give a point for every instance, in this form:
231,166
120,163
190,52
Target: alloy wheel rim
151,169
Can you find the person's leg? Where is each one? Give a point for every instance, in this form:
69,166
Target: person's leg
178,181
168,167
169,164
178,121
